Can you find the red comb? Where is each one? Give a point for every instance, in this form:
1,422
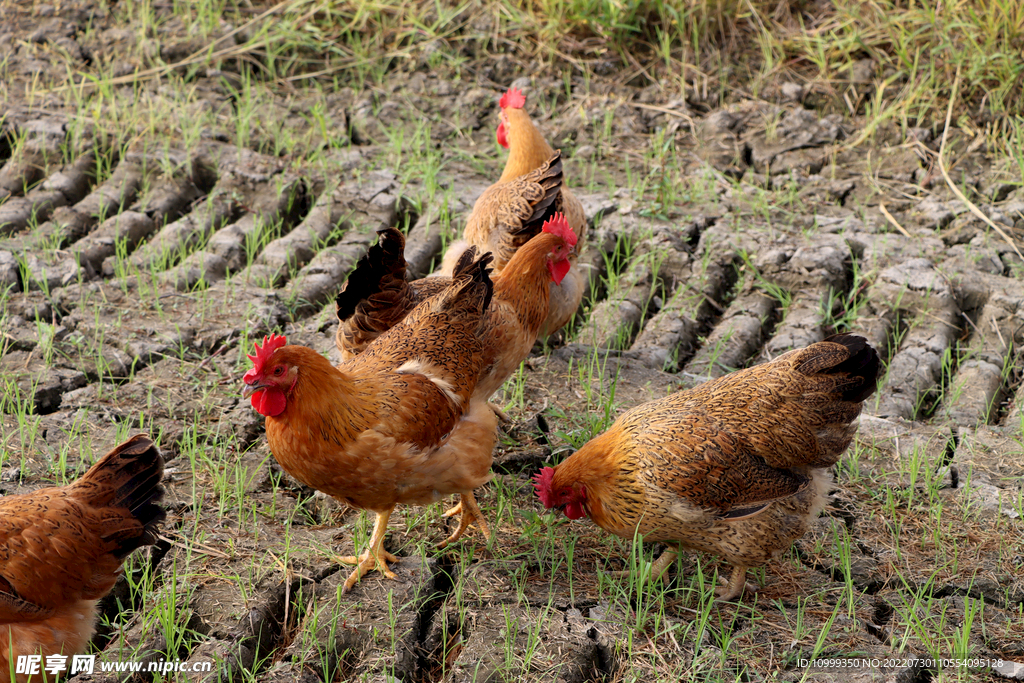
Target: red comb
557,225
263,353
542,485
513,98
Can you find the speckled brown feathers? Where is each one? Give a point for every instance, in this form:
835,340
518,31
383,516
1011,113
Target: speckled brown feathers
377,294
521,304
61,549
511,323
519,209
735,466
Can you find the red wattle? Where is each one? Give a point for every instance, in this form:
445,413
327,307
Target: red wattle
558,270
269,402
574,510
502,135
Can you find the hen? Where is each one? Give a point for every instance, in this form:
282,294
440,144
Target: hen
513,320
735,467
505,215
61,550
396,424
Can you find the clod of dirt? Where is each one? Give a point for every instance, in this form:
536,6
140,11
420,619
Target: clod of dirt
368,631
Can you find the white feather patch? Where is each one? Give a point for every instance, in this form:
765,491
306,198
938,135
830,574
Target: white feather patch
419,366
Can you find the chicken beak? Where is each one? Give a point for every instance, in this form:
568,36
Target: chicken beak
250,389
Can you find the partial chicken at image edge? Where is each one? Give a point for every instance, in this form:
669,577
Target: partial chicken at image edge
62,550
735,467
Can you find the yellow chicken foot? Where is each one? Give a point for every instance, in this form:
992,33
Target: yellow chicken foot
505,419
735,586
470,513
375,556
658,567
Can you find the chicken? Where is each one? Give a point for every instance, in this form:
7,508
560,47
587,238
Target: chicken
505,215
61,550
735,467
396,424
522,298
517,311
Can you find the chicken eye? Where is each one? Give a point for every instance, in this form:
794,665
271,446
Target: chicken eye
279,369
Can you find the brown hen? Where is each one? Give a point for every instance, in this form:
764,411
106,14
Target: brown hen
505,216
61,550
396,424
735,467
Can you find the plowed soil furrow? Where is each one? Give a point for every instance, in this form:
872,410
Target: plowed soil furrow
672,335
284,256
65,187
738,336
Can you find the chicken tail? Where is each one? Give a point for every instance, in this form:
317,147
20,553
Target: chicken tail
467,261
542,190
127,477
470,293
834,378
551,178
853,367
377,294
381,267
480,275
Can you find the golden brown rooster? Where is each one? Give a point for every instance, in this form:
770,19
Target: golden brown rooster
61,550
506,214
735,467
396,424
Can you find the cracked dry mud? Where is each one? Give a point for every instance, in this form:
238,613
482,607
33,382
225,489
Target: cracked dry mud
135,291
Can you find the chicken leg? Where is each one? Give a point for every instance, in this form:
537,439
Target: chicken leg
470,513
735,586
658,567
505,419
375,556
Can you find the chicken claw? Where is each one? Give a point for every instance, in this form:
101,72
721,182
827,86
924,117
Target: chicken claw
453,511
661,565
375,557
470,513
729,591
658,567
735,586
505,419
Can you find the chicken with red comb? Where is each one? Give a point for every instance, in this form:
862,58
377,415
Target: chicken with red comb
513,210
271,400
397,424
737,466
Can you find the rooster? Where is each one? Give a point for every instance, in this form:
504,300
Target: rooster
517,312
396,424
735,467
61,550
498,221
